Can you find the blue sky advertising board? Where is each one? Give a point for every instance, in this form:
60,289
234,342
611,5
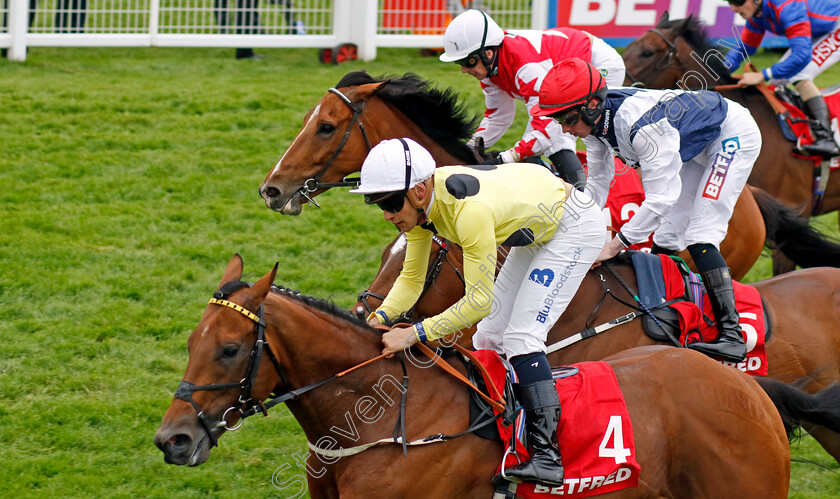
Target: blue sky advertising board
621,21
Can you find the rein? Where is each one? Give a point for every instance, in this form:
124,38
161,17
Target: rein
661,64
312,184
431,276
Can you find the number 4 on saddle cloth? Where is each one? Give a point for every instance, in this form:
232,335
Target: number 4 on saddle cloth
595,434
661,278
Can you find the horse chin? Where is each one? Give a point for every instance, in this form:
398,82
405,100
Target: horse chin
201,453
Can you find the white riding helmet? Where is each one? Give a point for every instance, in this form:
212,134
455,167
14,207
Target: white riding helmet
470,32
395,165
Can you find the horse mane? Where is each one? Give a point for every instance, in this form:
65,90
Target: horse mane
693,31
320,304
326,306
437,112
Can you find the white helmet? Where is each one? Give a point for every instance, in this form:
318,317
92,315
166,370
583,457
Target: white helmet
470,32
395,165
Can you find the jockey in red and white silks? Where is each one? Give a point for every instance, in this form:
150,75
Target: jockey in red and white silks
511,66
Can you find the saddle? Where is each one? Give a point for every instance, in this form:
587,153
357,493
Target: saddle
676,297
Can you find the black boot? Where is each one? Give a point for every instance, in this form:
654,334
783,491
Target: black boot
824,144
567,166
542,406
730,344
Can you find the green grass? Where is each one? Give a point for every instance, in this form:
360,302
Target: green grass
129,178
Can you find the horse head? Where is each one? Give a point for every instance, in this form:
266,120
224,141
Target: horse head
676,53
336,136
221,349
353,117
254,342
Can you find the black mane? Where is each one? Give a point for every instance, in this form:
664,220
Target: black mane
694,33
327,306
323,305
437,112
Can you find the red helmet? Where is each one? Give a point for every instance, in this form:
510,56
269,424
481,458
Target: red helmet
572,82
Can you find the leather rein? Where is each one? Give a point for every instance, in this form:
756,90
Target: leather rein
313,184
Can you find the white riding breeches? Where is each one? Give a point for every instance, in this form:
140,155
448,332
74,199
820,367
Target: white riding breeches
537,282
712,181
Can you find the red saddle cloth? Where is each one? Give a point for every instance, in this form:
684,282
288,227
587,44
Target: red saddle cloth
694,328
803,130
595,434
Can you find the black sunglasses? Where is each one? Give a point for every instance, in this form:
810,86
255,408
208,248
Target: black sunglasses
392,203
736,3
568,118
470,61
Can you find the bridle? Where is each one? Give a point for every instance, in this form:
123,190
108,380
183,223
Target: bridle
246,384
663,63
312,184
431,276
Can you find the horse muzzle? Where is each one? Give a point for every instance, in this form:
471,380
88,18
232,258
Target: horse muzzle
184,445
286,204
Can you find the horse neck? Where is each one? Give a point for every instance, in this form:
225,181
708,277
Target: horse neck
397,125
361,406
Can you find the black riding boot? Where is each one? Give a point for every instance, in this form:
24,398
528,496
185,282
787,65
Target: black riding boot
824,144
730,344
542,406
567,166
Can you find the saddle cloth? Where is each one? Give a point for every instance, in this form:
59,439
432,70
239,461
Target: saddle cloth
660,279
595,434
794,122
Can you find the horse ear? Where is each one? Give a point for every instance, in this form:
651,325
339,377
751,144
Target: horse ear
233,271
263,286
663,20
681,26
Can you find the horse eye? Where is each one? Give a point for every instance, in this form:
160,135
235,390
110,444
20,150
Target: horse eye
326,128
230,351
647,53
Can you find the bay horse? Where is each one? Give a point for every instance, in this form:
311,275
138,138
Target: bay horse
803,307
698,442
363,111
678,54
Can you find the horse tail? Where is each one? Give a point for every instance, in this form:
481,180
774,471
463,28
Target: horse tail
793,235
796,406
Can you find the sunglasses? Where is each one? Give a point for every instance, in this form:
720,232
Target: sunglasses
392,203
736,3
568,118
470,61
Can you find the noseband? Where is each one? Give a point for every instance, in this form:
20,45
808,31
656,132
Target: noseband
434,270
664,62
312,184
249,405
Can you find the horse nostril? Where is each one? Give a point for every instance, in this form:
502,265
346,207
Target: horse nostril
272,192
176,443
